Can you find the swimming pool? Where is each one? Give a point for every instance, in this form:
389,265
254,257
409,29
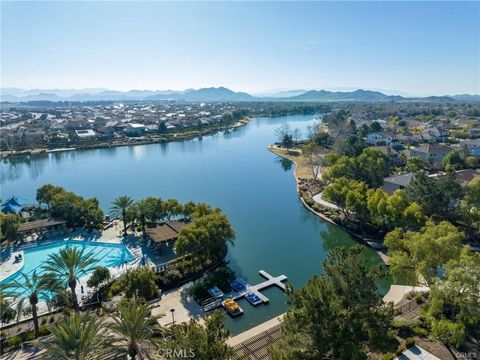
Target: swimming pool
107,254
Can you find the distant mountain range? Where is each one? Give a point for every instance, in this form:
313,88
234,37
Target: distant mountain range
220,94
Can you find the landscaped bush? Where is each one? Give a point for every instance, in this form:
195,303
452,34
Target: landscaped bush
28,336
400,350
115,288
43,331
100,276
420,331
140,283
172,276
409,342
388,356
14,341
220,277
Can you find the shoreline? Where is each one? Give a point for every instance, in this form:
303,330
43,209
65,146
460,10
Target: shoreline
383,257
127,141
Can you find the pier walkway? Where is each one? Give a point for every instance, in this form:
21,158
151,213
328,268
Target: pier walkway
256,289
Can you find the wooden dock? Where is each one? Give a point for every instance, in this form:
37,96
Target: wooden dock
256,289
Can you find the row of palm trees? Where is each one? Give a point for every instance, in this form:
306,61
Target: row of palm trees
148,209
132,330
61,271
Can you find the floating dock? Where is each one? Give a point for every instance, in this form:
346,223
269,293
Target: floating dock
256,289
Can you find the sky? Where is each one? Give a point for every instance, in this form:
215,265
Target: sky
419,48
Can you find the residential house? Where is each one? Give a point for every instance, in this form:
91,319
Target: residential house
472,146
133,129
85,134
395,182
382,138
474,133
432,153
464,177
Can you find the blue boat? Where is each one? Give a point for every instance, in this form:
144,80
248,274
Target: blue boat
253,299
239,285
215,292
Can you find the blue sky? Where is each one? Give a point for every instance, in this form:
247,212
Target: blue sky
415,47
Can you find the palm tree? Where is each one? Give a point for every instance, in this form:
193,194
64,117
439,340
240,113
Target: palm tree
79,337
69,264
135,329
120,207
142,209
32,287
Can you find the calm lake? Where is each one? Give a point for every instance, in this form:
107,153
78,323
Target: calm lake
255,188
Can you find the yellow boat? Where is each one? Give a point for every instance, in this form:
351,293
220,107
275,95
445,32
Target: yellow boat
232,307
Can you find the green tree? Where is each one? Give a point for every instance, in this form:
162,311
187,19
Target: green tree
69,265
157,209
352,146
437,196
31,287
120,207
388,211
136,329
415,164
9,224
311,151
46,193
142,209
455,160
342,166
207,341
372,166
208,236
424,252
455,302
323,139
100,276
140,283
470,203
337,315
78,337
7,314
76,210
172,209
349,196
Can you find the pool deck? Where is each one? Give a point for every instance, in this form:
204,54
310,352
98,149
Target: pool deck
9,266
112,235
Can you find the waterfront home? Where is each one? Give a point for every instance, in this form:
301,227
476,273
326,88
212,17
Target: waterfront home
473,133
85,134
434,134
464,177
382,138
431,153
166,233
133,129
395,182
472,146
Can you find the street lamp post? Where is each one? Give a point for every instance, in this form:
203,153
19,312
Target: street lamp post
173,317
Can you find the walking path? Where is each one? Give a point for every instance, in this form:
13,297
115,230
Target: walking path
319,200
397,292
